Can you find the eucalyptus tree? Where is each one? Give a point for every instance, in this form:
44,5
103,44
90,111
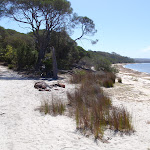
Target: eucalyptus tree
86,25
48,15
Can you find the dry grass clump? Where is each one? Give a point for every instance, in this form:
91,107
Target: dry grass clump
78,76
111,76
52,108
107,83
119,80
120,120
107,79
94,112
90,106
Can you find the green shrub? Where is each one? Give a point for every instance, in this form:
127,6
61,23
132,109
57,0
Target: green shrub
9,54
10,66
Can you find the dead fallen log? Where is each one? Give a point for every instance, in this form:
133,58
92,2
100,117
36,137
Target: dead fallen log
42,86
60,85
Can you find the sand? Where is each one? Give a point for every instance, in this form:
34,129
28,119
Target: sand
23,128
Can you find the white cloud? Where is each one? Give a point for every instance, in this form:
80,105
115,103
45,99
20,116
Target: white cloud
147,49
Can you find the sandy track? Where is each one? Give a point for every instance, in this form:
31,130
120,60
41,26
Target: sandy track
23,128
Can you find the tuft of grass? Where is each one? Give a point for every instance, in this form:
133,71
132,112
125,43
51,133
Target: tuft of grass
108,83
120,120
90,105
52,108
78,76
111,76
119,80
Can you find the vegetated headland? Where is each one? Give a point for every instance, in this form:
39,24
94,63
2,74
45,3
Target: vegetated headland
142,60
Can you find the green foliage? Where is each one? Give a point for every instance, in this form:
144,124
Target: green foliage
2,54
50,13
111,57
17,49
102,61
25,53
21,51
67,52
60,21
102,64
10,66
26,57
86,24
10,54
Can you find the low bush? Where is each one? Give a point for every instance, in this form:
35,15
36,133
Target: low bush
106,79
10,66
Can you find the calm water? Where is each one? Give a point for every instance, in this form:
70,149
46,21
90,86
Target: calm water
141,67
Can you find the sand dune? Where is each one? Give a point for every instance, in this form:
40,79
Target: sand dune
23,128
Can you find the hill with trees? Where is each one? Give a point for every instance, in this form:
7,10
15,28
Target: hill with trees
19,50
142,60
103,60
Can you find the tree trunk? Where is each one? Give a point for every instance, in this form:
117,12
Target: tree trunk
41,55
55,69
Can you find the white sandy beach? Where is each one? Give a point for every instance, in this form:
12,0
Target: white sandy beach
23,128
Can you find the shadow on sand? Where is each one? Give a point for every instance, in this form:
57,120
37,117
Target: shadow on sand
2,77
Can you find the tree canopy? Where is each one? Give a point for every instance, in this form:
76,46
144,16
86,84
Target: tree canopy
51,15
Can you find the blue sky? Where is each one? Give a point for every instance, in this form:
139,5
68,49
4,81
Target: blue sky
123,26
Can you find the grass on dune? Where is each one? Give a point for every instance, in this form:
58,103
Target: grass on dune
93,110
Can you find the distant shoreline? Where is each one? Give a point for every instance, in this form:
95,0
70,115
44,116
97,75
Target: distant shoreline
125,70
